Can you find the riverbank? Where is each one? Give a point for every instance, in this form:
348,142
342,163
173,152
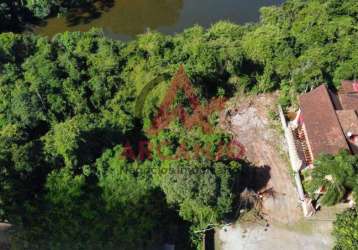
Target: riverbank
123,19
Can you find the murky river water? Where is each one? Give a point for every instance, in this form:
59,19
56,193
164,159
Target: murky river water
123,19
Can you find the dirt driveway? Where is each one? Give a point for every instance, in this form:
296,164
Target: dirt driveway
266,149
285,227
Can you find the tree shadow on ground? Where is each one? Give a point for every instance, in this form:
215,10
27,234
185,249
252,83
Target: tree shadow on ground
252,179
260,176
256,178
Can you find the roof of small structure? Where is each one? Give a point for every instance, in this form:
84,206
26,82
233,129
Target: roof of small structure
348,95
349,123
322,126
348,86
349,101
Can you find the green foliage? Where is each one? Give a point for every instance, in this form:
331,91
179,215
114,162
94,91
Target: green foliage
111,204
201,190
122,182
336,174
305,43
178,142
66,103
41,8
345,230
17,14
63,187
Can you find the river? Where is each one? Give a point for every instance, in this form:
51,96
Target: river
124,19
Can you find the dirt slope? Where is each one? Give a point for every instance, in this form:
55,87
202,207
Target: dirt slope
265,148
285,228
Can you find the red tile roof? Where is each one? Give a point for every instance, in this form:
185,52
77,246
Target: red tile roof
349,123
348,95
348,87
349,101
324,132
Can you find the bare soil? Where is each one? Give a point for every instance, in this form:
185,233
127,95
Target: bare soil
283,227
265,147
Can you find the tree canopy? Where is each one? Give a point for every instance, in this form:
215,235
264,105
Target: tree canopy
345,230
67,110
67,107
335,175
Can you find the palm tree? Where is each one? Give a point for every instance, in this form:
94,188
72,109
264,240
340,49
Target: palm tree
333,176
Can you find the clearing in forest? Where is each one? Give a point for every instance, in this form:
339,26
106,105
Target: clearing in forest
283,227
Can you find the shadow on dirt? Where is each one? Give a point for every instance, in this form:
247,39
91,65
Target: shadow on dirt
256,178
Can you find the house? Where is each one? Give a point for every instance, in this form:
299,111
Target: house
326,122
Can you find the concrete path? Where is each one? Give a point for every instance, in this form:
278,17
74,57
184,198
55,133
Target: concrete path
258,237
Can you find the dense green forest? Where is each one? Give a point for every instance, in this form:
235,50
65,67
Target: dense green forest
67,110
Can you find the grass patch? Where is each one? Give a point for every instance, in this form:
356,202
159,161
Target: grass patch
275,124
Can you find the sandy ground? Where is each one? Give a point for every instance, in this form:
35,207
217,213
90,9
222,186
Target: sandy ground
259,237
284,226
307,233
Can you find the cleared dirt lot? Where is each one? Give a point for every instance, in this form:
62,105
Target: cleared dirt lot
266,149
284,226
